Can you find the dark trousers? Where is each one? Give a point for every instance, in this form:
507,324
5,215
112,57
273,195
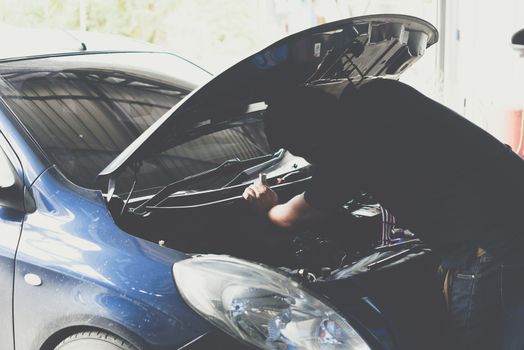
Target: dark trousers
486,302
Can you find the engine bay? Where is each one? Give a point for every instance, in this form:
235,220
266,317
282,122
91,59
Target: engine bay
360,237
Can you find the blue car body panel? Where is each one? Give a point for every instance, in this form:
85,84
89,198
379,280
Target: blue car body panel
94,274
11,223
11,227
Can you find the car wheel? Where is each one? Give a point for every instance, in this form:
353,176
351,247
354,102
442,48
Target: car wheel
94,340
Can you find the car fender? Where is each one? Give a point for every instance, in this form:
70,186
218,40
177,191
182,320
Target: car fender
88,270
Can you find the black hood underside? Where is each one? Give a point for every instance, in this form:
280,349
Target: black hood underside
329,56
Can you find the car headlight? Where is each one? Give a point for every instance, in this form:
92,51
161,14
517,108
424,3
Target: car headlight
261,306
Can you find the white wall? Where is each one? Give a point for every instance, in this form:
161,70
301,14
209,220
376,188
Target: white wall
483,75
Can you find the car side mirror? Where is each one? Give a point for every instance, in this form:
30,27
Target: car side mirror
11,186
517,41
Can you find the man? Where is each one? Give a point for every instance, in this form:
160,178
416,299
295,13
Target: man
458,188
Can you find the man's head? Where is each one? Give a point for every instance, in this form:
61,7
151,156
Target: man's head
302,121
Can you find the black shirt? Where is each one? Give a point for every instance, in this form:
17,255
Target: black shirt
453,184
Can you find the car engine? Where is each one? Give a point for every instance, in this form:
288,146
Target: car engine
221,222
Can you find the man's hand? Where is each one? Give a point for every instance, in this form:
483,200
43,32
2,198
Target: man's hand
260,196
287,215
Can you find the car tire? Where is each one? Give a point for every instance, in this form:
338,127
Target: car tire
94,340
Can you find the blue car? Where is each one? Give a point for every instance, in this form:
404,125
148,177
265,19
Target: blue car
122,224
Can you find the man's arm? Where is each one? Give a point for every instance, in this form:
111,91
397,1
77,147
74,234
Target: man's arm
295,212
288,215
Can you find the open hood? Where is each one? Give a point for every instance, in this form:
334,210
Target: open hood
329,56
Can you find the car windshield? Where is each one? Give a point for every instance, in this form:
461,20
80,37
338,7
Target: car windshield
84,110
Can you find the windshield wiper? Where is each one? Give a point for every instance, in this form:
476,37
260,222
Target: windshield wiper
183,183
255,169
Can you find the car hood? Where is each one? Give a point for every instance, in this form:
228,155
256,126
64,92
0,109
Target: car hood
329,56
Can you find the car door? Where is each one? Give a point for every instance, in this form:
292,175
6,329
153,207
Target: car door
11,218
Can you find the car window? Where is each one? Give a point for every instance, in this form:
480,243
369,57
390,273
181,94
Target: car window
84,112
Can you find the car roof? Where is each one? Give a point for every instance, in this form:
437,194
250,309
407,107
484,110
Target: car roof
22,43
